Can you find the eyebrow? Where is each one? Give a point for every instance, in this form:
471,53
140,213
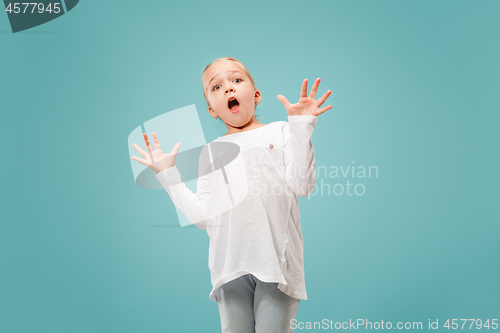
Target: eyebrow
232,70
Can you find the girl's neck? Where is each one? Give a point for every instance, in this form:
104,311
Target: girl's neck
252,124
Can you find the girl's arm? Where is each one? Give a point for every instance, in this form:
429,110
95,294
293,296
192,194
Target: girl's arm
300,165
194,206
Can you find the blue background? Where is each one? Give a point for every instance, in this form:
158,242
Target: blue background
415,92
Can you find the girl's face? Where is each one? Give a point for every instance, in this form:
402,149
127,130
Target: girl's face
230,93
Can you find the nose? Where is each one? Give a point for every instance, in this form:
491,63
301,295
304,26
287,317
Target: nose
229,88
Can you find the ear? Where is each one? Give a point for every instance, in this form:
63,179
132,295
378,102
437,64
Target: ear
212,112
257,97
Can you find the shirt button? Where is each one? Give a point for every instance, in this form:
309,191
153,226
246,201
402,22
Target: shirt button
271,146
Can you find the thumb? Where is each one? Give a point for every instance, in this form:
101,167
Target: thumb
140,160
176,148
284,101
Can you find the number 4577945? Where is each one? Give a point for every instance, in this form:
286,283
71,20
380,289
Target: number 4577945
17,7
479,323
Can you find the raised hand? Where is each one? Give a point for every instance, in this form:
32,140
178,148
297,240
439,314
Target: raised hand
154,158
306,105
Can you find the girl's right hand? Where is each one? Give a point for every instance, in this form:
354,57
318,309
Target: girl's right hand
154,158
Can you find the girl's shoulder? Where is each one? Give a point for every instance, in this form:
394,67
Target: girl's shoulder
272,126
279,124
265,130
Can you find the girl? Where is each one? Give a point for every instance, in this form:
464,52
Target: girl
250,207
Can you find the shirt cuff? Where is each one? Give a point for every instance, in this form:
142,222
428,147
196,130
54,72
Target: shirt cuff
170,175
303,119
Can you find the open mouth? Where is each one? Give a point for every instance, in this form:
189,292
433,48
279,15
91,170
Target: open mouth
233,105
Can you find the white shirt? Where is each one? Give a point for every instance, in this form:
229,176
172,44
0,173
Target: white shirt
248,204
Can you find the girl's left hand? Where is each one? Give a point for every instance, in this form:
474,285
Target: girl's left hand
306,106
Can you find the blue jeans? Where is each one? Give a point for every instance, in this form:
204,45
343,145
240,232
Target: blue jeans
248,305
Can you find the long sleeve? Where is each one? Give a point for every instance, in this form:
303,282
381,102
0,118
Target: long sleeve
300,165
194,206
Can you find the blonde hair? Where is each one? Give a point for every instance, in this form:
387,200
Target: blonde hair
221,59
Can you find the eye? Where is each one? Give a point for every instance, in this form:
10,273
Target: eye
239,80
214,88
